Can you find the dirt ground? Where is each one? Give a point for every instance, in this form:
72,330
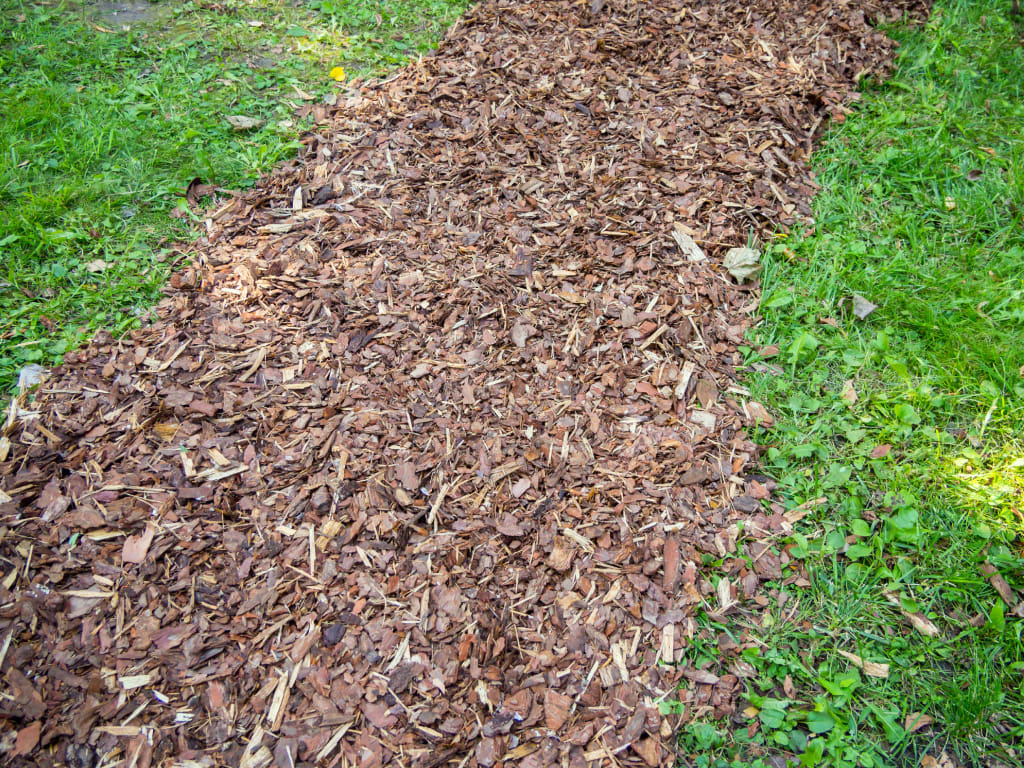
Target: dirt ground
434,453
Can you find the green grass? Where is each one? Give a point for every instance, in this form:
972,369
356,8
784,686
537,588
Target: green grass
922,213
103,125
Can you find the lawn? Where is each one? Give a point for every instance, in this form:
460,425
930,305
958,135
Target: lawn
900,434
105,119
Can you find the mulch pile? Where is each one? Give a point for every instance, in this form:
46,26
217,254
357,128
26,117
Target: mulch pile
433,455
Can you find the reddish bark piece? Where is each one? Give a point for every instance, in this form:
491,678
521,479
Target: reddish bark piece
650,750
999,584
137,547
172,637
486,752
406,472
27,739
509,526
672,571
27,702
215,695
700,676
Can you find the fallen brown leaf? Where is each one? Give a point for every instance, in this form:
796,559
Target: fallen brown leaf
920,622
915,721
871,668
999,584
849,394
556,708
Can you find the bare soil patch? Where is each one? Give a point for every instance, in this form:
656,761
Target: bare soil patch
433,456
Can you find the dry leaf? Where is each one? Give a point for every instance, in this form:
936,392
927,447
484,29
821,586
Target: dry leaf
31,375
561,555
943,761
521,486
999,584
871,668
801,511
849,394
788,688
521,332
758,413
742,263
707,392
862,307
915,721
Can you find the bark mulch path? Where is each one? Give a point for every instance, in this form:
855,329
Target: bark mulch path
433,456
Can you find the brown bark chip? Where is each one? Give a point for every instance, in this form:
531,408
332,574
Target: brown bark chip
424,472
